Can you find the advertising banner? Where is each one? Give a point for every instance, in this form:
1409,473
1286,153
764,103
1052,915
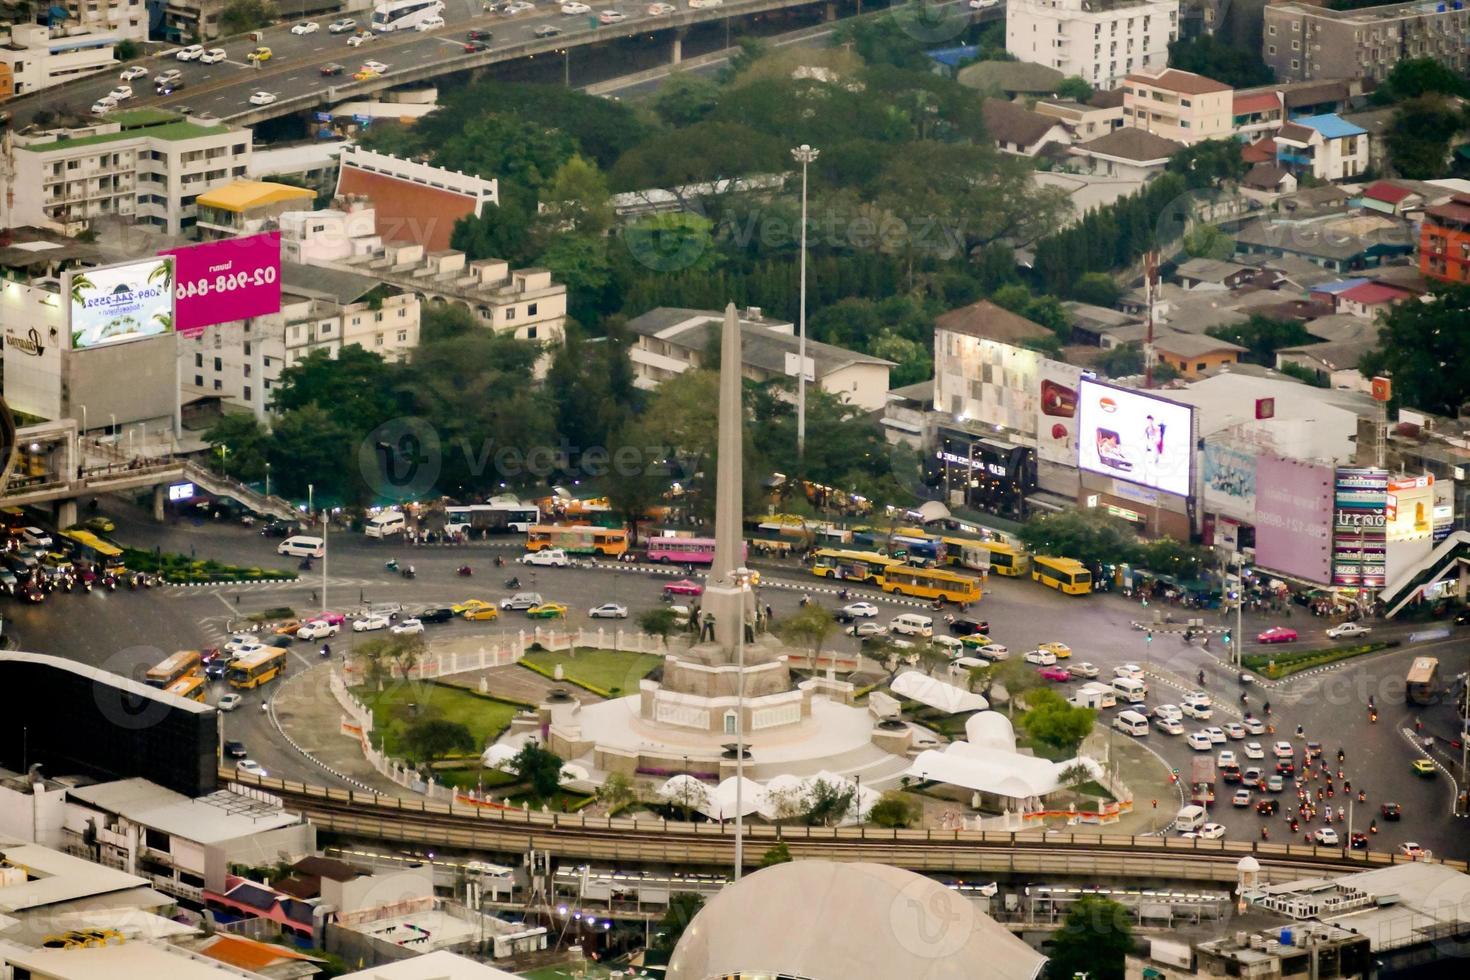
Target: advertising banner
1056,406
1135,437
1410,508
1229,478
1360,527
227,280
1294,517
117,303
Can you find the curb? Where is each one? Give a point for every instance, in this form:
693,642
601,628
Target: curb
276,724
227,581
1415,744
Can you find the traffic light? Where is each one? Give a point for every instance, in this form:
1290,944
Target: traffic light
1227,636
1148,637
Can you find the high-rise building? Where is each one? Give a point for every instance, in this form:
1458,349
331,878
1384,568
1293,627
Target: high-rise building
1303,42
1099,40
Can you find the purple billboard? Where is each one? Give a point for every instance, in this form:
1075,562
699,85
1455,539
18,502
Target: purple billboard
1294,517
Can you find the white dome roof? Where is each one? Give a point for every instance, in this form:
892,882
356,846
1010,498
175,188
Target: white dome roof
828,920
992,730
1247,863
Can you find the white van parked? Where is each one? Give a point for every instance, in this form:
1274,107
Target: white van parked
1130,690
1189,818
1131,723
302,546
386,524
911,624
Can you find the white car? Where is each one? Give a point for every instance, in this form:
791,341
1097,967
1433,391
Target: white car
103,106
168,77
250,767
550,556
358,39
1234,730
1225,758
609,610
120,93
1042,658
191,53
262,98
1242,798
243,643
1199,697
316,629
1197,711
1129,670
376,67
949,645
1083,669
1325,836
983,4
1199,741
407,627
229,702
305,27
341,26
1253,750
660,9
517,7
1283,750
136,71
702,4
867,629
369,623
430,24
611,17
994,651
213,56
1346,631
1169,726
573,9
1170,711
1254,726
1216,735
860,610
1210,831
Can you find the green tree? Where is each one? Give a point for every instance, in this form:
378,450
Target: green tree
576,200
1209,163
309,446
1419,136
1236,66
685,98
240,16
895,809
126,50
1122,361
828,803
810,626
502,231
581,263
1421,346
704,151
430,739
673,242
1091,536
681,910
439,321
1052,721
1208,242
1093,941
538,766
658,622
638,474
777,853
1074,87
1411,78
245,442
1097,288
617,791
1264,336
1018,678
506,147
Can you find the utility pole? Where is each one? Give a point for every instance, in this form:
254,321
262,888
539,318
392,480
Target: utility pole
1150,276
805,156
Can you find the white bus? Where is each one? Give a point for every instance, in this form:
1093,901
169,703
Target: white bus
404,15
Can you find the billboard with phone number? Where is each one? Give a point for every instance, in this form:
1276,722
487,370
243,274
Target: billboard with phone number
1293,517
227,280
1134,437
116,303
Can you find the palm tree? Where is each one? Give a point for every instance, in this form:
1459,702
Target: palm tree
164,271
79,285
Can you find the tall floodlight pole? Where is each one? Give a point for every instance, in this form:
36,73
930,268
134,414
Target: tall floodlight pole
805,156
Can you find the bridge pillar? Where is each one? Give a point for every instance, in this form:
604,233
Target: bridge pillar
66,513
158,503
676,54
829,12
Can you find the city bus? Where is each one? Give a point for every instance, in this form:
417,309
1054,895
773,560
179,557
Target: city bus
581,539
852,566
1063,574
997,556
191,686
672,549
494,517
1423,681
89,540
930,583
404,15
174,668
255,669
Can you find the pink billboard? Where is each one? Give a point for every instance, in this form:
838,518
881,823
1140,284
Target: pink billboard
1294,517
226,280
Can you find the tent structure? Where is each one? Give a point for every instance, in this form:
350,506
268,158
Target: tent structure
685,790
998,772
783,797
721,805
496,756
919,686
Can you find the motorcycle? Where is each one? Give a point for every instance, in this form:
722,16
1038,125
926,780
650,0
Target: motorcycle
513,582
326,651
305,565
465,571
499,562
391,565
408,572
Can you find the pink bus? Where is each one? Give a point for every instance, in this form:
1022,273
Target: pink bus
685,551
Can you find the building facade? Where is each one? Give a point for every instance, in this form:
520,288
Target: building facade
145,173
1099,40
1303,42
125,19
37,57
1444,241
1177,105
1325,147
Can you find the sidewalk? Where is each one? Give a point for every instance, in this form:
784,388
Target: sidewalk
1146,775
310,717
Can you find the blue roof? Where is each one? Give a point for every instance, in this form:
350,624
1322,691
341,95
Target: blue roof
1341,286
1332,126
953,56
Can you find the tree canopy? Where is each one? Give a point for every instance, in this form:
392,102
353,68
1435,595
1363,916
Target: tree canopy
1421,347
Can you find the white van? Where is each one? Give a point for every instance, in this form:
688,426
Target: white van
302,546
1131,723
1189,818
910,624
388,523
1094,695
1130,690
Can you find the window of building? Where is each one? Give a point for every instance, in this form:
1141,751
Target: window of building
247,343
510,312
218,384
1295,64
1270,49
1197,367
531,333
199,360
1296,25
247,393
530,309
377,340
1185,103
1296,45
1271,30
199,381
218,364
403,336
247,370
265,361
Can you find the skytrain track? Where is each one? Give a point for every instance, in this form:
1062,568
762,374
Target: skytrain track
422,824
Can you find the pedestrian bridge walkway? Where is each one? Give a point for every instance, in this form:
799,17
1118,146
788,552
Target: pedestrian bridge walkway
1448,563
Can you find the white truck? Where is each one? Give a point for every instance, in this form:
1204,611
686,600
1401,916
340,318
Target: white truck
1094,695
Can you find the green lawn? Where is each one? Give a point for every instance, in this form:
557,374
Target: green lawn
471,777
399,705
612,671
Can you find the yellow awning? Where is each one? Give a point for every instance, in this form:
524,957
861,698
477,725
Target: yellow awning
243,195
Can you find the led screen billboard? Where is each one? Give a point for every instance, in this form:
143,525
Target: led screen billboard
227,280
1135,437
1360,527
1293,517
1056,406
116,303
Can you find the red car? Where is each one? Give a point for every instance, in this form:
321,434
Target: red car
1055,673
1277,634
332,618
683,587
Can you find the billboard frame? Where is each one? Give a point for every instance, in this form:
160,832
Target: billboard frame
1193,472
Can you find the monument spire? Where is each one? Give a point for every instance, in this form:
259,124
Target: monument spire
729,477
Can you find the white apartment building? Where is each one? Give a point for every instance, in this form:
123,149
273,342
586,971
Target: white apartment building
145,167
1327,147
1178,105
39,58
1099,40
127,19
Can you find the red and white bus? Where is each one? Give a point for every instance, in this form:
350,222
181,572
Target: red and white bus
672,549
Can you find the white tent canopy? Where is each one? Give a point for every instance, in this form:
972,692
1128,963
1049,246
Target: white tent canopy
918,686
784,797
721,805
995,771
685,790
496,756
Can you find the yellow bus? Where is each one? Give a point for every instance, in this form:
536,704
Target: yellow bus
582,539
931,583
175,668
255,669
1423,681
999,557
91,540
852,566
191,686
1063,574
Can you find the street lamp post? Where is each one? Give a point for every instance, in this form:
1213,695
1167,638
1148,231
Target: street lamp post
804,155
267,478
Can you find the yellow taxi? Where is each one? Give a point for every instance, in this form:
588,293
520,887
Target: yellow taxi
259,54
1059,650
548,610
460,608
479,614
364,75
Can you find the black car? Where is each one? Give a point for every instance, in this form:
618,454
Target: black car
31,592
472,47
969,627
170,88
478,35
235,750
278,529
1391,811
441,615
1268,808
215,670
